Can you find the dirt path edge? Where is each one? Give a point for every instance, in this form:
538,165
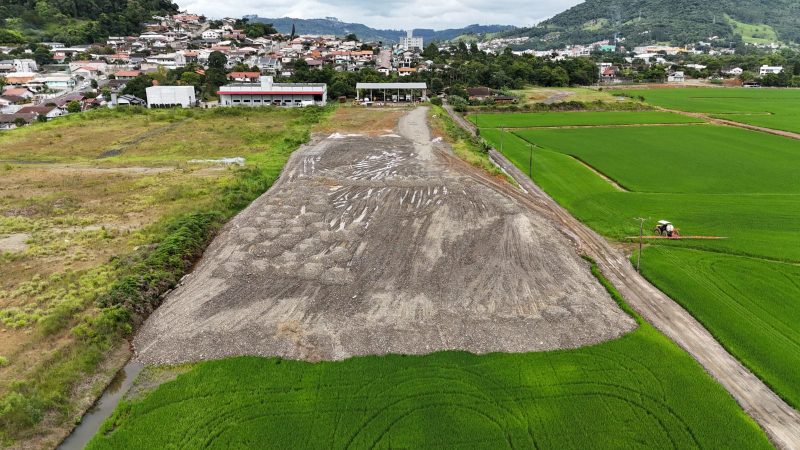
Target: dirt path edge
779,420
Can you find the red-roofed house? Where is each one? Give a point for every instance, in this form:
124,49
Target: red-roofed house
23,92
245,77
127,74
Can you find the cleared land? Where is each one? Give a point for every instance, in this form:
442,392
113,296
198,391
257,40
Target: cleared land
638,390
96,201
305,272
696,190
765,107
555,119
532,95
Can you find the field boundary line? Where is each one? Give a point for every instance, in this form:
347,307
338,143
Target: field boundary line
725,122
779,420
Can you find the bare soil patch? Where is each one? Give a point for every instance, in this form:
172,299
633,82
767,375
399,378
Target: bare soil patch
383,244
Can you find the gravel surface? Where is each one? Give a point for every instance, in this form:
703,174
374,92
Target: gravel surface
374,245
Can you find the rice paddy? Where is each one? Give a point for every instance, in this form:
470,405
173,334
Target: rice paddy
708,180
638,391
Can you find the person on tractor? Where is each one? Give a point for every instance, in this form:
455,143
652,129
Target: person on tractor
665,228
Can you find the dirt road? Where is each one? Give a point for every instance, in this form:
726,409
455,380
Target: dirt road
387,244
779,420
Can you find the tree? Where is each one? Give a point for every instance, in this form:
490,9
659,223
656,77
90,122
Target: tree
20,122
351,37
217,60
138,86
431,51
73,107
437,86
93,83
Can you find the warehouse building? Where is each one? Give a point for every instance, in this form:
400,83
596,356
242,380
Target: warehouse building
267,93
391,92
170,96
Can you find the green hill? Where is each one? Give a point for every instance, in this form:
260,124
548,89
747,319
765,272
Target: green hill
75,21
677,21
336,27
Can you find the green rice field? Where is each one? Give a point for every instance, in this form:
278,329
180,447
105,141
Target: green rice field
709,181
764,107
580,118
640,391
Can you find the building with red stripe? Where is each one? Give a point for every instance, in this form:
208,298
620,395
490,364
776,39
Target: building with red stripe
267,93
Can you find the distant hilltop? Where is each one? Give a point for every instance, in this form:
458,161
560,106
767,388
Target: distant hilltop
637,22
334,26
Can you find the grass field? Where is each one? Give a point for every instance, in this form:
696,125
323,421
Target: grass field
765,107
553,119
746,301
754,33
638,391
99,214
537,94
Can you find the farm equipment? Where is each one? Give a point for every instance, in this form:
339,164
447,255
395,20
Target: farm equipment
666,229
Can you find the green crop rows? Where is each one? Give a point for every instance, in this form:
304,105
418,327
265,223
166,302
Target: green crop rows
709,181
770,108
638,391
551,119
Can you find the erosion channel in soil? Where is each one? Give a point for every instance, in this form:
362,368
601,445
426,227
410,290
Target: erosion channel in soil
374,245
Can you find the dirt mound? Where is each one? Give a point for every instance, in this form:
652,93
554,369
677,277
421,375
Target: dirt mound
373,245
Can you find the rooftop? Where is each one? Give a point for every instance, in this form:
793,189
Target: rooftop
391,86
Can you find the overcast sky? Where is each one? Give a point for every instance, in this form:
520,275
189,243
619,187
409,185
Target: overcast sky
393,14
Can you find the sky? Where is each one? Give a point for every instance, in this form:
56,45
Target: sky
391,14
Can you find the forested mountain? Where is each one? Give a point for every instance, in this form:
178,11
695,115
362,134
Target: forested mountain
75,21
336,27
676,21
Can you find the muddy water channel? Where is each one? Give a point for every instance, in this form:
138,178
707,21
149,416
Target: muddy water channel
101,410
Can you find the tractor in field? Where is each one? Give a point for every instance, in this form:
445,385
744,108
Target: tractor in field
666,229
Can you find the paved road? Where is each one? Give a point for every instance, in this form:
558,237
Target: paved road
779,420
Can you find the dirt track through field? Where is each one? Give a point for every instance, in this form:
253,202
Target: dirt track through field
387,244
776,417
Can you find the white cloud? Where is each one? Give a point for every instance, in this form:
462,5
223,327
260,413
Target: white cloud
393,14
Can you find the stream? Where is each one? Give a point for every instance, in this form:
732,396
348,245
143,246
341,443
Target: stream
103,408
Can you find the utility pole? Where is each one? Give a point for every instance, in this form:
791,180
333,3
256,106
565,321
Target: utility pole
641,238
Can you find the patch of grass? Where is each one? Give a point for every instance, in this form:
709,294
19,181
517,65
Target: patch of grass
162,222
683,159
750,305
769,108
464,145
639,390
754,33
554,119
709,181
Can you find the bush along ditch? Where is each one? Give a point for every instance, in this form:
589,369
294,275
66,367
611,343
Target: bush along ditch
135,284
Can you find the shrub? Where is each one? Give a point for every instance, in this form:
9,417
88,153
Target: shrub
436,101
458,103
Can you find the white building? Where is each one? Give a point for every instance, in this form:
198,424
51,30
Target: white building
410,42
169,96
211,35
676,77
765,69
268,93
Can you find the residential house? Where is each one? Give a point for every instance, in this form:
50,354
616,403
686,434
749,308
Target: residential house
406,71
766,70
10,121
479,93
676,77
50,112
245,77
127,74
23,92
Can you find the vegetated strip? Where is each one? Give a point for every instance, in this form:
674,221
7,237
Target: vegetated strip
141,278
641,382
